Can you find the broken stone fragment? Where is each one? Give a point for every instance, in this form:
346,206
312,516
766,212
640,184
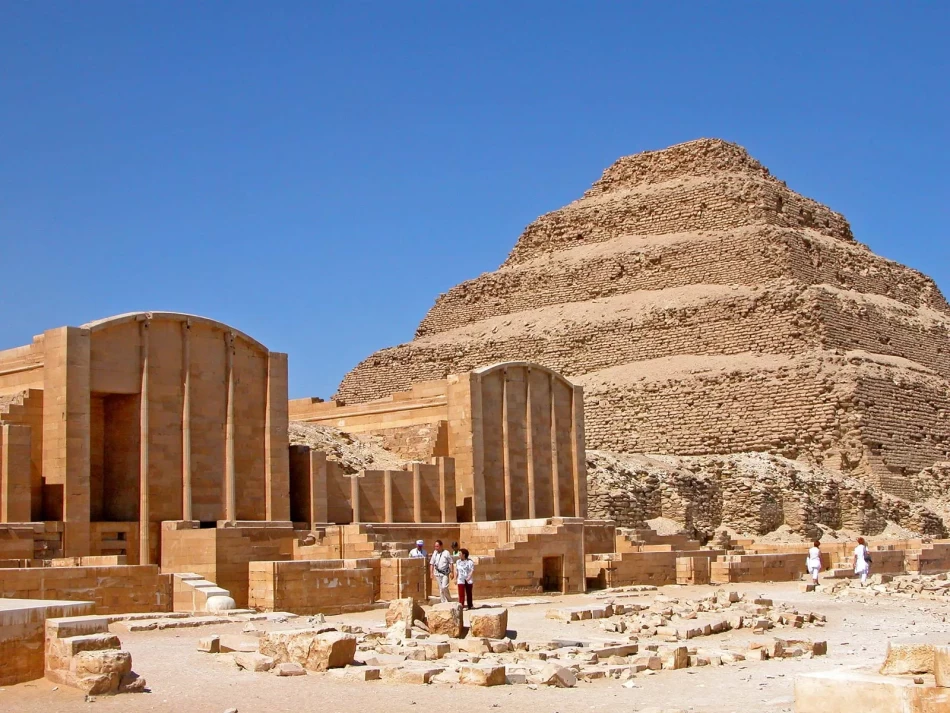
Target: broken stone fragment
554,675
132,683
312,650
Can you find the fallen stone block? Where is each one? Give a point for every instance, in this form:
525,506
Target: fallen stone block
210,644
515,676
678,658
255,662
398,674
482,675
405,610
491,624
474,646
608,650
229,644
554,675
445,619
290,669
866,692
942,666
908,658
357,673
314,651
435,650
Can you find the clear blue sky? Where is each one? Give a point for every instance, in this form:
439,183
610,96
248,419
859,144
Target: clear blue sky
316,173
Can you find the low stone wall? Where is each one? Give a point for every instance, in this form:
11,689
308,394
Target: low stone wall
401,577
222,554
114,590
313,587
528,556
790,567
22,632
657,567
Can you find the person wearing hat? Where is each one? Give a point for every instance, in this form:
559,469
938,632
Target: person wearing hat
419,550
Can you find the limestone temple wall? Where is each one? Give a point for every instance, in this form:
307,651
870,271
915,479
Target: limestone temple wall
513,430
144,417
707,309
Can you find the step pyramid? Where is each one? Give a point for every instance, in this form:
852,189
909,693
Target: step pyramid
707,309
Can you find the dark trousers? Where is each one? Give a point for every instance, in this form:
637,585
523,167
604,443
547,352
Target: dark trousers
465,590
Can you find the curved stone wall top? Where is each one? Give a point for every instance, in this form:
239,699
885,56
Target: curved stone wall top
489,368
119,319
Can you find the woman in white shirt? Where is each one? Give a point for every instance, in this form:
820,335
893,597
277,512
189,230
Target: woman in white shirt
862,560
464,567
813,563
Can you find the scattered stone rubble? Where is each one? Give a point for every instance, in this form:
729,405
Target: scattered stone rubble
907,586
435,648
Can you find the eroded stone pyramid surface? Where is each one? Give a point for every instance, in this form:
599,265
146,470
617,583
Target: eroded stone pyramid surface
707,309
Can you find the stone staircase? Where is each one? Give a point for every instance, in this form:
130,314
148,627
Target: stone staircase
191,592
81,653
648,540
16,408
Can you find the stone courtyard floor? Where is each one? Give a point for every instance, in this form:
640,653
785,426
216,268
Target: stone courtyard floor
181,678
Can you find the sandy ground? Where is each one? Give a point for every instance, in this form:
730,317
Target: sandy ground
182,679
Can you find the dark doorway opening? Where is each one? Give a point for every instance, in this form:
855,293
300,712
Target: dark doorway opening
552,574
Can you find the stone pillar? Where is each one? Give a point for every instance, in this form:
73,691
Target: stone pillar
416,492
387,496
15,492
529,432
555,471
477,445
276,441
318,487
230,495
186,498
579,464
66,424
506,445
447,489
355,497
144,541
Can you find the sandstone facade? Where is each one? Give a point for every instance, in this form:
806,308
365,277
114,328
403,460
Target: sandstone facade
707,309
138,419
512,434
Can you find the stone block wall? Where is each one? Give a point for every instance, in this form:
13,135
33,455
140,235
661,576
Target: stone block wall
745,256
402,577
314,586
222,554
25,408
114,590
529,556
22,634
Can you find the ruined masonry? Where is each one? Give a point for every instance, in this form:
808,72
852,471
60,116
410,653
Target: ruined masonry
706,308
